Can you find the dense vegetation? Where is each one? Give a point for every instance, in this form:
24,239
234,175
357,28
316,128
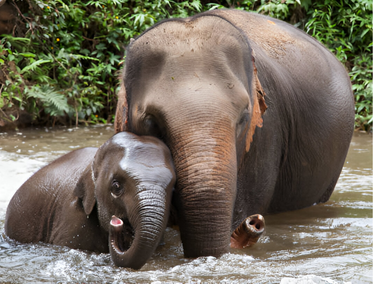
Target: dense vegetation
62,61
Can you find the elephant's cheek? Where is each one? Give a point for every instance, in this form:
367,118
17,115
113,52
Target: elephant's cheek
107,206
104,215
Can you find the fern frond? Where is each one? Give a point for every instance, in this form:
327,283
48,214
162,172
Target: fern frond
79,56
34,65
53,101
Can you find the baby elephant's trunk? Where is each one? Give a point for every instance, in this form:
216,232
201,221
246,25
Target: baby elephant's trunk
149,223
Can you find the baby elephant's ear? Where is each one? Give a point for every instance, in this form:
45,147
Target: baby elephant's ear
85,190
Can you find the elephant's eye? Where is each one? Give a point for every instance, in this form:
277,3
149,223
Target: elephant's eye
241,125
151,127
244,116
116,189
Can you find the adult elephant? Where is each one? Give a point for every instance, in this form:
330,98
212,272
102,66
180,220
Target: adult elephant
257,114
116,198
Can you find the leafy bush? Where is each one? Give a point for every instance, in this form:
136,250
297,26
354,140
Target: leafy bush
63,59
345,27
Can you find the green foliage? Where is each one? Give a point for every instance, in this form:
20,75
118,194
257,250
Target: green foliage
55,103
64,57
278,9
346,28
361,77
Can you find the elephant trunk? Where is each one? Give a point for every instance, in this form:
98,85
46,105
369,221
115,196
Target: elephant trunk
248,232
149,220
205,194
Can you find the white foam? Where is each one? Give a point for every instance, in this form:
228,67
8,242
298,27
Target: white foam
309,279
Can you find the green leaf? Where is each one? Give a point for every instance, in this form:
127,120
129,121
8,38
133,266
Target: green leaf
27,54
55,103
17,98
34,65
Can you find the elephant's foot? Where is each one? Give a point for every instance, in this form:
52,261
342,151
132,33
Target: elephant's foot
248,233
120,236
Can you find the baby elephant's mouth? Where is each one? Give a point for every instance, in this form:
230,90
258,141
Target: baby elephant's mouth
121,234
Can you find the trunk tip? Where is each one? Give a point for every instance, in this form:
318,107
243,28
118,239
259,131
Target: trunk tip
255,223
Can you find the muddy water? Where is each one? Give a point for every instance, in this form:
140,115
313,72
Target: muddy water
328,243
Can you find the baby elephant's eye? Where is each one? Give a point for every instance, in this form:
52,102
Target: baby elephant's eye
116,189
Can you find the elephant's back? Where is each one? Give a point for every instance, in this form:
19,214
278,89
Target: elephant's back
277,38
66,170
273,36
36,203
287,55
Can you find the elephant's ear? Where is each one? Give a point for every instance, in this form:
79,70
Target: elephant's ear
259,90
85,190
259,106
121,114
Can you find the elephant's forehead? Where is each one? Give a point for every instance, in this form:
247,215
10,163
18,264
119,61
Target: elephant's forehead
143,157
146,166
139,147
179,55
147,154
191,34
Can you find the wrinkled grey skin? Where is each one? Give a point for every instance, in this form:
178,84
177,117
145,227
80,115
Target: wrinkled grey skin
258,117
71,201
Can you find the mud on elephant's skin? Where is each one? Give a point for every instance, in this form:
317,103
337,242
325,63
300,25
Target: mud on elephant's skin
116,198
257,114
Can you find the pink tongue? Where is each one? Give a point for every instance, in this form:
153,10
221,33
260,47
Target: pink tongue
116,221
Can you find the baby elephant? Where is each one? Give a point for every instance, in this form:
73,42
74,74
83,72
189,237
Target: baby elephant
115,198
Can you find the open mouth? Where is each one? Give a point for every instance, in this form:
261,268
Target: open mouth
121,234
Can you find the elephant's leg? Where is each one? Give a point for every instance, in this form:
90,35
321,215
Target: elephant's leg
249,232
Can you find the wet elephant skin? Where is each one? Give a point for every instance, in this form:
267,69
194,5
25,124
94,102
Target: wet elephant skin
72,201
257,114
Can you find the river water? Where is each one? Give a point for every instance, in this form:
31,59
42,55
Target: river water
327,243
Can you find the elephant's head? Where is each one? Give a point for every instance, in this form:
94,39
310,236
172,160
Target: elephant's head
192,83
133,179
